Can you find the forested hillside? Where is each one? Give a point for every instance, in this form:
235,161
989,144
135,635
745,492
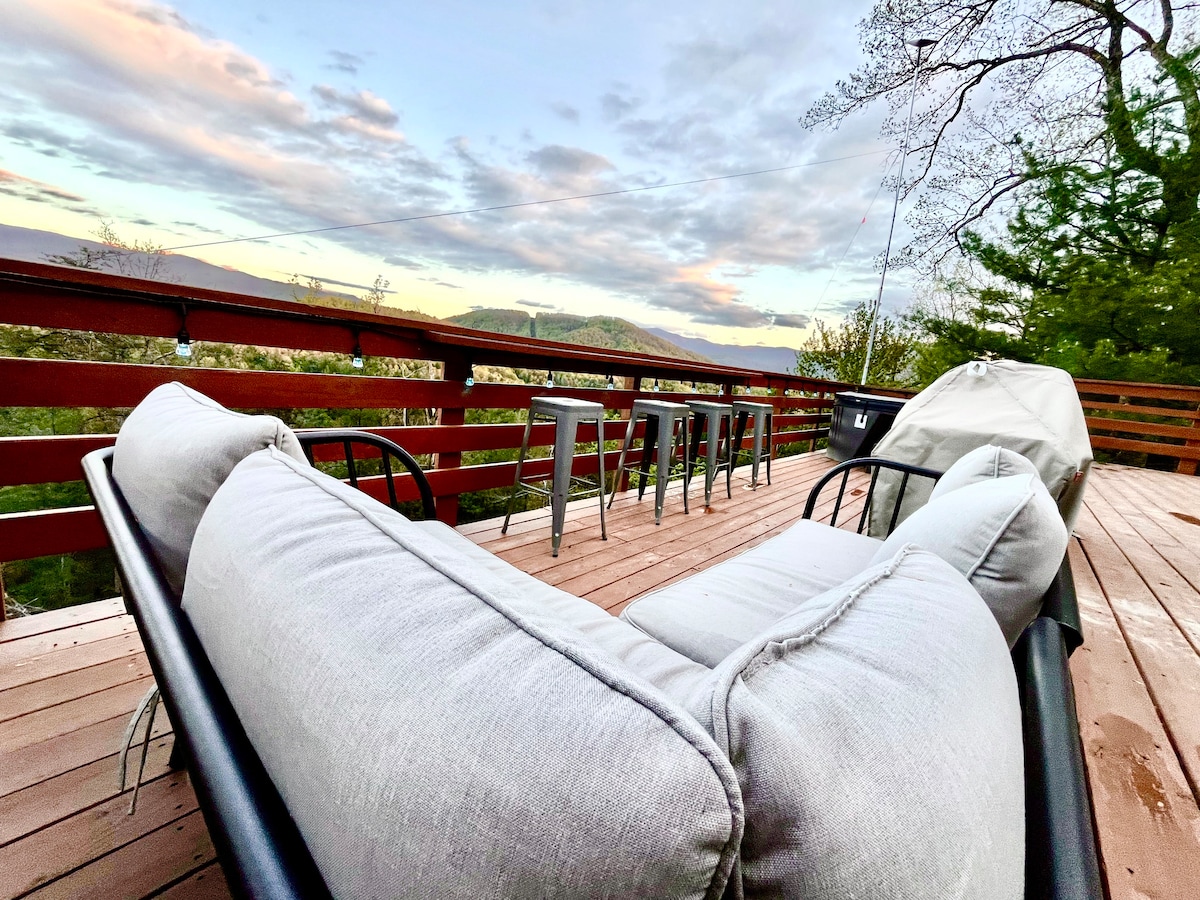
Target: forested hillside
590,331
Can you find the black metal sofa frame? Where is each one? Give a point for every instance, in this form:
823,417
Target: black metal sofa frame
262,851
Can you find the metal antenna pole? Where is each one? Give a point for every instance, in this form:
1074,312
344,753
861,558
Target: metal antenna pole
920,44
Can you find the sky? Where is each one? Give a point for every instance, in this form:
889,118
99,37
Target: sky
198,121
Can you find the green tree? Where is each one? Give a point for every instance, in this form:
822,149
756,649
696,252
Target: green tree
1074,85
838,353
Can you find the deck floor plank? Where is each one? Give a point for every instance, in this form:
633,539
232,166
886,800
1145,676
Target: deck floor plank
140,868
78,840
69,681
1167,662
55,620
49,692
1146,816
30,809
40,665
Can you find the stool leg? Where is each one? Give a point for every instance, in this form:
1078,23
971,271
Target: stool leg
770,445
647,452
666,444
621,458
695,447
710,454
758,443
600,455
564,455
728,422
517,480
687,460
735,453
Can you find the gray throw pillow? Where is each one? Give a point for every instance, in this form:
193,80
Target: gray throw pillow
982,464
173,452
1005,535
876,733
427,730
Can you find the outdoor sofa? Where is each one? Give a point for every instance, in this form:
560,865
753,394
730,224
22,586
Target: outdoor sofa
373,706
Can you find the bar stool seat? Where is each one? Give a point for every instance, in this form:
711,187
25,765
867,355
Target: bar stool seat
763,414
567,413
711,418
660,431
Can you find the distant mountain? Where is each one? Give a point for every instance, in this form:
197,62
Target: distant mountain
34,246
766,359
590,331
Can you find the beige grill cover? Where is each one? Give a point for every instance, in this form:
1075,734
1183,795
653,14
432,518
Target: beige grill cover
1033,410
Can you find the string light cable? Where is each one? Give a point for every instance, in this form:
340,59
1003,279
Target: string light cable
483,209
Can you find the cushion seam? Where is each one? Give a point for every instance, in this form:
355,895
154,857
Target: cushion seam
732,796
725,685
1001,531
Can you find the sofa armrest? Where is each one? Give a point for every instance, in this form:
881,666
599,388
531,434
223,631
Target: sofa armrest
388,450
260,849
1060,859
875,464
1060,604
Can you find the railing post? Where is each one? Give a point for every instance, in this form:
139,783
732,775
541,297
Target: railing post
454,369
1188,466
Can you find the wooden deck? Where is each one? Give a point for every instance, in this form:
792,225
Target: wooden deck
69,679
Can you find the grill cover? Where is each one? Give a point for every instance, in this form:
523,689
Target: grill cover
1031,409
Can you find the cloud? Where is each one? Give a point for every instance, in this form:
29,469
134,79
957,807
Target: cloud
135,93
24,188
537,305
614,107
565,111
791,321
363,106
348,284
344,62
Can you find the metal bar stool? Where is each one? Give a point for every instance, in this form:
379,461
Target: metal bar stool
661,418
712,418
567,413
763,414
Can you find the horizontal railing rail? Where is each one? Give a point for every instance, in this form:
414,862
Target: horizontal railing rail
1155,419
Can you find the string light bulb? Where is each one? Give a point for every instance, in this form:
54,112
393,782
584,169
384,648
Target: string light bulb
549,380
656,388
183,341
720,390
471,376
356,358
611,385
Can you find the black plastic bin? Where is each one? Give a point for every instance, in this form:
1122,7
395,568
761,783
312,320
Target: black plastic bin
859,421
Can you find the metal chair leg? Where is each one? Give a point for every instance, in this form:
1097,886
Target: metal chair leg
600,456
621,459
512,498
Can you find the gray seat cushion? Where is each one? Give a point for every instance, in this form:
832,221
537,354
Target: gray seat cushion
710,614
1004,534
876,733
426,730
173,452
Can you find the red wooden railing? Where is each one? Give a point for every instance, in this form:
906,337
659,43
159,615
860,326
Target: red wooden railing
1151,419
1155,419
57,298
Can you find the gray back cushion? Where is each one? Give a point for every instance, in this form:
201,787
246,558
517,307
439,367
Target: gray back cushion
876,733
982,464
1004,534
426,732
173,452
